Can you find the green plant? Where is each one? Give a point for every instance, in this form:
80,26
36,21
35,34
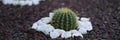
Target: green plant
65,19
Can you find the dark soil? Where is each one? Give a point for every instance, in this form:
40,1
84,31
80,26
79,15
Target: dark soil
15,21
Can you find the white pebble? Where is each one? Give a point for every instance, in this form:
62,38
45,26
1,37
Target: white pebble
54,34
66,34
82,31
22,2
45,19
35,2
40,23
34,26
16,3
29,3
77,34
6,1
73,31
60,31
85,23
46,29
84,19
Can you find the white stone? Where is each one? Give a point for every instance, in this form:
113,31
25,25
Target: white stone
50,28
46,32
45,29
29,3
6,1
82,31
34,26
40,23
21,2
45,20
60,31
77,34
73,31
54,34
85,23
66,34
15,3
84,19
36,2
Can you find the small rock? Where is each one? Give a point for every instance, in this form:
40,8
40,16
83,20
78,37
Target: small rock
45,29
36,2
34,26
82,31
66,34
84,19
85,23
54,34
77,34
22,3
29,3
45,20
15,3
60,31
73,31
40,23
39,28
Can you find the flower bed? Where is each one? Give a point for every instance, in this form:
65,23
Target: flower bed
43,25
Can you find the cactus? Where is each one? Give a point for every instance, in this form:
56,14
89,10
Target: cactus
65,19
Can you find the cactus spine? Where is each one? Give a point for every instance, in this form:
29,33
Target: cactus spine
65,19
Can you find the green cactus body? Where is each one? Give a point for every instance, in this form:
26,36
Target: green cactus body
65,19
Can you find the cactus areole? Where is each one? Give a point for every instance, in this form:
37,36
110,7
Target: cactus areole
65,19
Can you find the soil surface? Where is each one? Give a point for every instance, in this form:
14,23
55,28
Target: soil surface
16,21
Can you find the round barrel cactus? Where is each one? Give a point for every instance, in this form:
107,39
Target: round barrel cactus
65,19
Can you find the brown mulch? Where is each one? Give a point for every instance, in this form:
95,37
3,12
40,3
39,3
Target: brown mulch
16,21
